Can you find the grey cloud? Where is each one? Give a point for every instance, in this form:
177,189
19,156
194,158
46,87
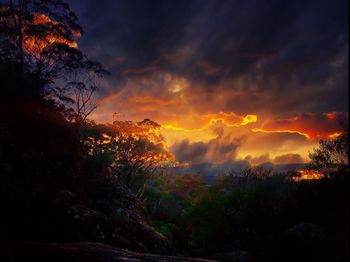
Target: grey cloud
219,150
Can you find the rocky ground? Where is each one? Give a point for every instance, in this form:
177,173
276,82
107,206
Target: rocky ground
85,251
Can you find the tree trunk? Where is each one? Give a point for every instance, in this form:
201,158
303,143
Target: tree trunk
21,52
17,19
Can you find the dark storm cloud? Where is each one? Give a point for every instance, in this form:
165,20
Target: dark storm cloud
220,150
191,152
289,56
280,159
128,35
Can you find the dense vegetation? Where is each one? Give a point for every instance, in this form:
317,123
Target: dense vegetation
64,178
272,218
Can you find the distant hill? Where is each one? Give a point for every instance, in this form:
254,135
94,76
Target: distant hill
210,172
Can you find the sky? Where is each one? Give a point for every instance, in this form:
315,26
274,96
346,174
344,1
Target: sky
229,80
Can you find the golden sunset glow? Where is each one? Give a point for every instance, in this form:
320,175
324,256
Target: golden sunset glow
196,118
334,135
280,131
231,119
228,119
260,138
311,126
106,137
307,175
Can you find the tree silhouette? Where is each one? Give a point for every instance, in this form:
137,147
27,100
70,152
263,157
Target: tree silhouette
135,151
331,157
38,38
43,33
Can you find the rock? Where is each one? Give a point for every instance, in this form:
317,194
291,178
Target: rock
5,256
236,256
303,242
87,252
310,232
122,224
51,190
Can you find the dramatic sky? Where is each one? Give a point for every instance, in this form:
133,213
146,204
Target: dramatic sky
228,80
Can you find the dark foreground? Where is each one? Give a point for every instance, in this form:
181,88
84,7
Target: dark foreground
85,251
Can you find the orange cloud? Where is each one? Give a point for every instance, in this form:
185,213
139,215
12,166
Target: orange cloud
231,119
170,100
179,56
148,103
109,97
313,126
200,117
289,158
204,122
208,68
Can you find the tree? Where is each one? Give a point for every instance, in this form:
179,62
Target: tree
185,186
136,150
43,33
332,156
38,38
81,92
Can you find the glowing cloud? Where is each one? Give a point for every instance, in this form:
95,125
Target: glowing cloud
313,126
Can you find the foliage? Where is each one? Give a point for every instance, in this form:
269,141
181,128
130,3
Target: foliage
247,211
136,150
256,218
332,156
39,50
